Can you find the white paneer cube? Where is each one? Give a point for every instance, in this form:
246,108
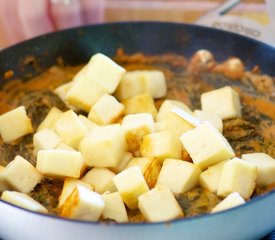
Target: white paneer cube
232,200
123,162
68,187
168,105
80,74
155,83
142,103
105,72
161,145
159,205
187,117
174,123
3,184
150,168
265,167
224,102
90,125
137,126
49,120
142,162
64,146
130,184
61,92
15,124
210,178
101,179
60,163
21,176
212,118
24,201
106,110
83,93
237,176
83,204
45,139
142,81
130,85
114,207
104,147
179,176
206,145
70,129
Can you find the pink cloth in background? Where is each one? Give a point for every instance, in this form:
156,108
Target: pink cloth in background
34,17
23,19
66,15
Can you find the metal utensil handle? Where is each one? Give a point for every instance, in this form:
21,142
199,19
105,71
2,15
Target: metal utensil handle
222,9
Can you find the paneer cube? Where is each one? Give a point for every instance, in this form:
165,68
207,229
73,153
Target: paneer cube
212,118
174,123
155,83
265,167
83,204
142,103
21,176
106,110
60,163
49,120
130,86
70,129
179,176
114,207
23,200
224,102
45,139
80,74
130,184
232,200
15,124
105,72
137,126
150,168
168,105
187,117
237,176
90,125
210,178
142,81
101,179
104,147
161,145
159,204
3,184
206,145
83,93
123,162
64,146
68,187
61,92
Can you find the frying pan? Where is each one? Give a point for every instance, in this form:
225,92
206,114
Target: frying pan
250,221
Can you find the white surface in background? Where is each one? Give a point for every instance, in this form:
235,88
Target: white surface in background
241,25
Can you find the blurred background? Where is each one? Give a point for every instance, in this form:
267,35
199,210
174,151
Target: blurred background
23,19
180,10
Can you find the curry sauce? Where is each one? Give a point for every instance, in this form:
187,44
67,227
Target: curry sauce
254,132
